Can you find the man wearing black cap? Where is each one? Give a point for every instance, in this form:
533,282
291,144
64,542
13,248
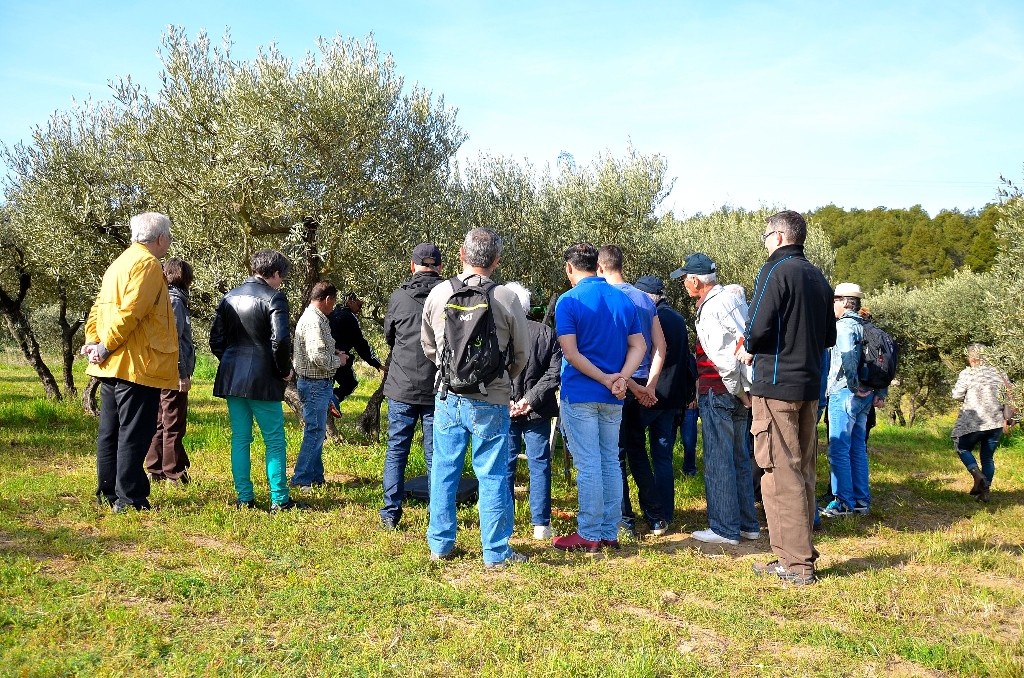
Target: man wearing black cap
790,327
675,388
409,386
724,402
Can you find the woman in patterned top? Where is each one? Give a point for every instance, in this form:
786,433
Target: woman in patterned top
982,387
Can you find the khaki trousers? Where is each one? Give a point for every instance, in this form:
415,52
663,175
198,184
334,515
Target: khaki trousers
786,447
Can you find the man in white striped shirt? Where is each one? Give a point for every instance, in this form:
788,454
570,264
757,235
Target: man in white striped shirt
315,361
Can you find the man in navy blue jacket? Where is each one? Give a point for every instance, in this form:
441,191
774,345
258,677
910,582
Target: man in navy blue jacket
790,325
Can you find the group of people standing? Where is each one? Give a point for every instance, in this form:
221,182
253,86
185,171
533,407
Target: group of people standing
615,369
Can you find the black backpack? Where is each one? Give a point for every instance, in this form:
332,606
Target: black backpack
879,356
471,357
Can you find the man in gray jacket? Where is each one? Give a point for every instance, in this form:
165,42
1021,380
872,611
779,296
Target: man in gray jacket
481,419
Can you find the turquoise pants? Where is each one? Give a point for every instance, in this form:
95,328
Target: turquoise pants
269,415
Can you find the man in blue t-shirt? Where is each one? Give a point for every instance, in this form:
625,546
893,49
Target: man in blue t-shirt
602,345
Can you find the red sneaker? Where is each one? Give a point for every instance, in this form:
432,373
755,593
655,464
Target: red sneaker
574,542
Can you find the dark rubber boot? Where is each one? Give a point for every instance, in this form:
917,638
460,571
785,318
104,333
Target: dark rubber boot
980,489
979,481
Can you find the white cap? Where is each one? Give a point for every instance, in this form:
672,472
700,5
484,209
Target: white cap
849,290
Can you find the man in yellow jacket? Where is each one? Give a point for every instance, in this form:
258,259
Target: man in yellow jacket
132,347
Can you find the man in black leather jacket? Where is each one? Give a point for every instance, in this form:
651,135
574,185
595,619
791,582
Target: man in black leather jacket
533,405
409,386
250,339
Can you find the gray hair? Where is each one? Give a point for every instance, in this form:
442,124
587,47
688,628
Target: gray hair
976,351
149,226
481,248
522,293
706,278
790,224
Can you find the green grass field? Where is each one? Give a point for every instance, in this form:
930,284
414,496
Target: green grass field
930,583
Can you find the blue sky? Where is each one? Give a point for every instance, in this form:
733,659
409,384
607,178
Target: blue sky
788,104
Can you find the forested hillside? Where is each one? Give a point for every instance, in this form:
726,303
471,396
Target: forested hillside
879,246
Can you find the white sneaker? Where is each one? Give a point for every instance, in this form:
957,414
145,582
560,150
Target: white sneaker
712,537
542,532
751,535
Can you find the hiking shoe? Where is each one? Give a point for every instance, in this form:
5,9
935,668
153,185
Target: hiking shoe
610,544
250,504
752,536
798,579
836,509
288,506
542,532
659,528
711,537
514,558
574,542
764,569
434,557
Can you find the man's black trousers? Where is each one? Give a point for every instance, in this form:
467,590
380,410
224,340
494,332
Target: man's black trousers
128,415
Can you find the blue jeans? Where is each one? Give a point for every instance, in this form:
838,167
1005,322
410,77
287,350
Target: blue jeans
727,481
315,395
401,426
591,431
988,440
458,422
689,436
538,456
654,477
270,417
848,447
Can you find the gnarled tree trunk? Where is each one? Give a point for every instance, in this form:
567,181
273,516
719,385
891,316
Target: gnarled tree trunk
68,330
13,309
368,423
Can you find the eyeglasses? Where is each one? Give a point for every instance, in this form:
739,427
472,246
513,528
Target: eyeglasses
764,237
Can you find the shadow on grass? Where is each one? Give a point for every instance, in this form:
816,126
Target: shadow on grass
38,543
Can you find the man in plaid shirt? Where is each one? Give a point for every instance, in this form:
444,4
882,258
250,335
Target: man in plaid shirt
315,360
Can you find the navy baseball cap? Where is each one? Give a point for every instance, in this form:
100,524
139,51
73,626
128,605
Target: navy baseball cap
650,284
695,264
426,254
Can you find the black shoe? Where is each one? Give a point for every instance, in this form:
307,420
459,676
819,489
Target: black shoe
122,508
288,506
251,504
389,524
659,528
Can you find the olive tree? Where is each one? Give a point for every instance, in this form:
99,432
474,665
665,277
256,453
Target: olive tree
69,198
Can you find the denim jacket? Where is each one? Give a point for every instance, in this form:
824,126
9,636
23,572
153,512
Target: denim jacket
845,360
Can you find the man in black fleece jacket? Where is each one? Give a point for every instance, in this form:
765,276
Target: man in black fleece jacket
790,326
409,386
